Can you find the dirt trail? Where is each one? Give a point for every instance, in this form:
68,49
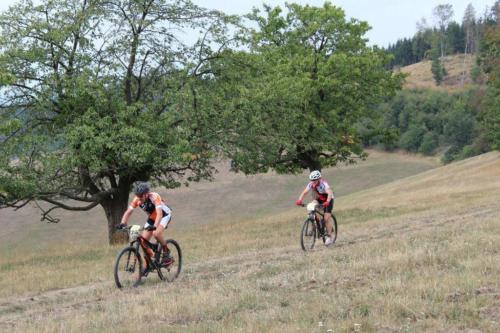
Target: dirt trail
63,303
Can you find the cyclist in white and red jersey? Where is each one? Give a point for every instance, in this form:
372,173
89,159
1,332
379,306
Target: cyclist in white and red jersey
159,215
324,194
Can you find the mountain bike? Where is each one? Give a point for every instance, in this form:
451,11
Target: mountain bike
129,269
314,226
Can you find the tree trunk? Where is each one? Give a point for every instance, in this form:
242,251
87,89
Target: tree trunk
114,209
309,160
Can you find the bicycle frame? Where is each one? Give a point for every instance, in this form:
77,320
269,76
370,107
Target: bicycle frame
315,225
154,263
320,222
143,243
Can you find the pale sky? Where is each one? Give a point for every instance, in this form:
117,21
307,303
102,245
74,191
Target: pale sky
390,19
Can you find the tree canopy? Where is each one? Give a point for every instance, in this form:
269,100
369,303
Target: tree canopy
311,79
99,94
96,95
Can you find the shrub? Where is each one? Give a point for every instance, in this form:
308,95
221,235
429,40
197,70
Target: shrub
459,127
451,154
412,139
430,142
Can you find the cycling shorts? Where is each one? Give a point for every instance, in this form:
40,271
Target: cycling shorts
165,220
330,206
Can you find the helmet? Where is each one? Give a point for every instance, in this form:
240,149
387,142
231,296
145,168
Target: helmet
141,188
315,175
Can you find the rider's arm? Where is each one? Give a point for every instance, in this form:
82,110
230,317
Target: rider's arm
330,194
156,200
159,215
126,215
303,194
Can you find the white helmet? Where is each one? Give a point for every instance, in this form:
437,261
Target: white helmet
315,175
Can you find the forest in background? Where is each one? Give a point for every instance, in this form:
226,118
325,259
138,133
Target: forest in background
460,123
448,36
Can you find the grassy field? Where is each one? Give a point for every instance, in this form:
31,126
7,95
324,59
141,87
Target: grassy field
457,66
417,254
230,197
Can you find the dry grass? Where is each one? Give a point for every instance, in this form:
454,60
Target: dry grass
229,196
457,66
417,255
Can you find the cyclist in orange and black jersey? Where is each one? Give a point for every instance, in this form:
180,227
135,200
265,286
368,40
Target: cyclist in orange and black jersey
159,215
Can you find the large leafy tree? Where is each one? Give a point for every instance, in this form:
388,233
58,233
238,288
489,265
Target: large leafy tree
305,83
96,95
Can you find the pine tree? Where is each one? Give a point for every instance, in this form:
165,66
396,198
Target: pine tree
437,69
455,38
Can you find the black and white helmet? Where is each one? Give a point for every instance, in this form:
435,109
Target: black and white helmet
315,175
141,188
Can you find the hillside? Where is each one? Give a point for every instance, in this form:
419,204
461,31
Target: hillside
458,67
230,197
417,254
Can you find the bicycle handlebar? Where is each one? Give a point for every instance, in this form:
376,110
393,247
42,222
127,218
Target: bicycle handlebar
127,228
319,208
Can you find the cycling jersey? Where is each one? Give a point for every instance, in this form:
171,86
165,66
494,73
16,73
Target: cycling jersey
320,189
149,206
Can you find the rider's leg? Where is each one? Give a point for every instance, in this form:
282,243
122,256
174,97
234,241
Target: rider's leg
329,224
158,234
328,219
147,236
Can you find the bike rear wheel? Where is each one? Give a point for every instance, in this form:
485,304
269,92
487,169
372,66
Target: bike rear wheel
308,235
171,270
128,267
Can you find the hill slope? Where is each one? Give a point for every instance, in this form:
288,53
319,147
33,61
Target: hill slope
230,196
417,254
457,66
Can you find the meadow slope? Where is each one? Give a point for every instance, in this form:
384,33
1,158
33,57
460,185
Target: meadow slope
230,197
421,253
458,68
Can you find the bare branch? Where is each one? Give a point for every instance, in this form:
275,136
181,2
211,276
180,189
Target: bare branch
45,214
139,79
68,207
17,204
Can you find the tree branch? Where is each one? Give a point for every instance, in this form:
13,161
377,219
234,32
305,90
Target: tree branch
45,214
68,207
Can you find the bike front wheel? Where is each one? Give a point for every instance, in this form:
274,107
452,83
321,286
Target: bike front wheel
308,235
128,267
171,269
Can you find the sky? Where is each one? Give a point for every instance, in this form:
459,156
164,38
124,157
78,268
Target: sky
390,19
